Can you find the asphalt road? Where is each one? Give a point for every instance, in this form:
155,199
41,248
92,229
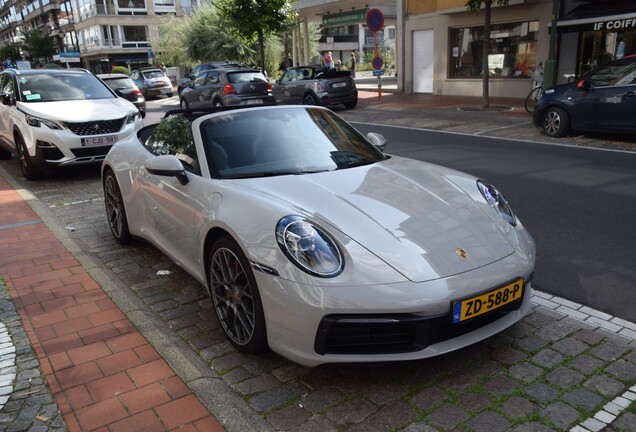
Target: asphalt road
578,203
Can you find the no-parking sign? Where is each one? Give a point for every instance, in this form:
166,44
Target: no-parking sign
375,20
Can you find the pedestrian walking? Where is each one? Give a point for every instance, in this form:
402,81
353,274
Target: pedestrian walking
353,64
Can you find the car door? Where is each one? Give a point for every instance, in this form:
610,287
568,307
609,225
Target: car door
7,86
193,94
286,91
610,101
138,79
170,208
209,88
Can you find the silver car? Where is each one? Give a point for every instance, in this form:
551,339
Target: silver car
314,242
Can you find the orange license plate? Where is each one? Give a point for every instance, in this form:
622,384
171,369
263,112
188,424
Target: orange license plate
472,307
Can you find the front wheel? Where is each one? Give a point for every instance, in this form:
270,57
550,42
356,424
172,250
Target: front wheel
184,104
532,99
29,169
115,210
556,122
235,297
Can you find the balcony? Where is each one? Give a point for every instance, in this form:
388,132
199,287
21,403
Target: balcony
338,38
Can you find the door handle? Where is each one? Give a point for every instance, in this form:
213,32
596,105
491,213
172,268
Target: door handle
629,94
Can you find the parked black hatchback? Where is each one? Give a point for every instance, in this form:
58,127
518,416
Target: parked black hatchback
126,88
603,100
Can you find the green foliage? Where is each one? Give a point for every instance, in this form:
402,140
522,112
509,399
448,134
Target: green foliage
10,51
208,37
170,48
253,19
121,69
175,131
475,5
39,44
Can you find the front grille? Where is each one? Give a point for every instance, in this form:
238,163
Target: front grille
394,333
99,127
90,151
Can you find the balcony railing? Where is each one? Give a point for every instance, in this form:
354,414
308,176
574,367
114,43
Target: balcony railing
338,38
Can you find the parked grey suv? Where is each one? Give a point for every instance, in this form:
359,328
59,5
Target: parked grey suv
222,87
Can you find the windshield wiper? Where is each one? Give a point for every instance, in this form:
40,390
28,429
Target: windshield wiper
273,173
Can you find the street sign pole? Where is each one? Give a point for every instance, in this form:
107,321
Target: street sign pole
375,22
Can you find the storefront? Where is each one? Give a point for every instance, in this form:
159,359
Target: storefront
595,32
444,48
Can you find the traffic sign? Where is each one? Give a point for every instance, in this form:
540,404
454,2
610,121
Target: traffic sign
375,20
378,72
377,62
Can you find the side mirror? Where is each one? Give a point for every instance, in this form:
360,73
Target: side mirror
584,84
169,166
6,99
377,140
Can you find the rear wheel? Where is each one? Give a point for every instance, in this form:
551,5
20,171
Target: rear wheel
29,169
309,99
556,122
351,104
115,210
235,297
184,104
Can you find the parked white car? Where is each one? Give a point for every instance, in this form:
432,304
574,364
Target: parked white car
314,242
58,117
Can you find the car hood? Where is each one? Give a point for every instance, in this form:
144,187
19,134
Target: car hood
404,211
80,110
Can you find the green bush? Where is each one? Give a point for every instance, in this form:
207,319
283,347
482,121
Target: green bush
121,69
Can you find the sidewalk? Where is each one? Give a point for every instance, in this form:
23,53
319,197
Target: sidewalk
564,365
101,371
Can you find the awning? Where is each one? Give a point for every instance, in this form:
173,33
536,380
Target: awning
611,15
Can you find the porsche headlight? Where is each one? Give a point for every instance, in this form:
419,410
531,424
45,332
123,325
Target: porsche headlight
37,122
309,247
497,202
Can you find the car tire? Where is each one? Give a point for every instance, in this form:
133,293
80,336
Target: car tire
556,122
184,104
351,104
115,210
30,170
309,99
235,297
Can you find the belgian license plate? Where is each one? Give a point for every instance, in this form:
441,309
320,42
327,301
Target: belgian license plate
97,141
472,307
339,84
255,101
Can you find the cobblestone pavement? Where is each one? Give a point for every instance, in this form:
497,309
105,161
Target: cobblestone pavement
564,366
31,407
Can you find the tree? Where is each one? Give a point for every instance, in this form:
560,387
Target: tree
39,45
170,47
10,52
253,19
475,6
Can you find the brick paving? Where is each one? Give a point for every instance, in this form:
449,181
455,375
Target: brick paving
564,366
99,368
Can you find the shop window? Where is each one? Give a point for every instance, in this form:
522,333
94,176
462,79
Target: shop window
601,47
512,50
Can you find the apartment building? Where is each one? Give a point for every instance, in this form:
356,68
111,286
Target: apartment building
94,34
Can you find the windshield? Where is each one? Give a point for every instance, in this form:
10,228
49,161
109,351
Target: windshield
52,87
281,141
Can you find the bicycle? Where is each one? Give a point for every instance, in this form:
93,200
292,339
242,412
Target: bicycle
533,97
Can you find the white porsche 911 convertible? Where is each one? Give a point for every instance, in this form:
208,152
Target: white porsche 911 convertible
314,242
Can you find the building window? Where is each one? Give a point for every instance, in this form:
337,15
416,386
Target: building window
512,50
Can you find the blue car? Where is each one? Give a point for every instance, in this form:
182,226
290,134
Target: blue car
603,100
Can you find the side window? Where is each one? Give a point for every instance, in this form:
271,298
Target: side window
6,84
213,77
134,76
289,76
201,79
173,136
